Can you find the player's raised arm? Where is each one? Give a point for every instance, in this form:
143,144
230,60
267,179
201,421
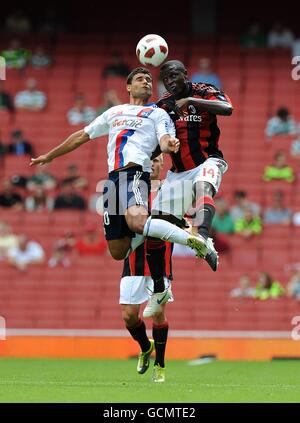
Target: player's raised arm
216,107
71,143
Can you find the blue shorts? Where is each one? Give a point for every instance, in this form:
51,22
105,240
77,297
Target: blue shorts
122,190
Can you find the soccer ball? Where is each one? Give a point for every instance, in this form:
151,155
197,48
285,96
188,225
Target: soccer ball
152,50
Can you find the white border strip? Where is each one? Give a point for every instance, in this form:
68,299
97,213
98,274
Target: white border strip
123,333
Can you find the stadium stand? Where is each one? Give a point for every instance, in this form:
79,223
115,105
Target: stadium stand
85,295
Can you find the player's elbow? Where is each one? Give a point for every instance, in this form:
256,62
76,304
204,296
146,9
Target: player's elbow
80,137
227,110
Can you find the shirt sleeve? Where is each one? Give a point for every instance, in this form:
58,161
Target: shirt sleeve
210,92
98,127
163,124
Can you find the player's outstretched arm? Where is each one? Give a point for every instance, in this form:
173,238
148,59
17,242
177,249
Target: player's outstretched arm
71,143
216,107
169,144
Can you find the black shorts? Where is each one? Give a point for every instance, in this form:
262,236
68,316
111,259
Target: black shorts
122,190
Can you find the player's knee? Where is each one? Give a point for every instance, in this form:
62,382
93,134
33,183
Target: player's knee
204,189
208,189
136,218
130,318
137,225
159,318
117,254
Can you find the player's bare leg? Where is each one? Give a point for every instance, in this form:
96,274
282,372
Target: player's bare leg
118,248
137,329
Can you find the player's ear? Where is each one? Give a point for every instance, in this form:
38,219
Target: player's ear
128,88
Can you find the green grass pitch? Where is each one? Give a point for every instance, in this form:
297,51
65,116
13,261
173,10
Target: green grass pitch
107,381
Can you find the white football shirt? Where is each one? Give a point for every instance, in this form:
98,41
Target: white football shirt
134,133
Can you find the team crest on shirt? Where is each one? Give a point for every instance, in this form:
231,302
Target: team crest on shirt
192,109
146,112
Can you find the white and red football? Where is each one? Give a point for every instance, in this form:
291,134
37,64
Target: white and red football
152,50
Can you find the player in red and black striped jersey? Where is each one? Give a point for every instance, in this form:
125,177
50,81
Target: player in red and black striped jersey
199,165
137,265
196,129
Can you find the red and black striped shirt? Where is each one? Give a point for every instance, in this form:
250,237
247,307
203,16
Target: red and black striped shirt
136,264
197,131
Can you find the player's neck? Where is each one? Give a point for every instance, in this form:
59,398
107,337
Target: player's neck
138,101
183,94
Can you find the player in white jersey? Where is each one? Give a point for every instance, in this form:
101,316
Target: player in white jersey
135,130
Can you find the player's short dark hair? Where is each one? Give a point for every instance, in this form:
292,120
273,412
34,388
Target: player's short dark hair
136,71
177,64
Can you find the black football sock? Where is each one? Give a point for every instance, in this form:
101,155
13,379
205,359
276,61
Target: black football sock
156,250
160,336
206,213
138,333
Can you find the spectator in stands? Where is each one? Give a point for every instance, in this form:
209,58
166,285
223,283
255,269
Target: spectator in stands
19,146
50,22
40,59
280,36
2,149
38,200
26,253
6,102
222,222
42,178
253,37
267,287
80,113
69,199
17,23
117,67
249,225
296,218
244,290
293,286
15,56
279,170
62,250
241,204
91,244
7,239
278,214
295,145
73,177
205,73
19,180
9,198
111,99
281,124
31,99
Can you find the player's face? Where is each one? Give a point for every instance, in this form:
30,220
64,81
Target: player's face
156,167
141,86
174,80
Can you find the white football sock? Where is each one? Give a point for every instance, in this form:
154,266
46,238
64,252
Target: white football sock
158,228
